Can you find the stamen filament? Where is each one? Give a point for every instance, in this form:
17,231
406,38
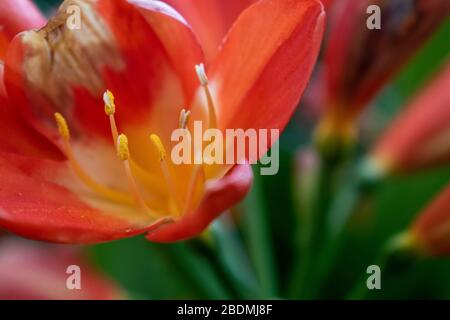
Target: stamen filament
212,118
165,168
124,155
196,174
139,172
79,171
184,118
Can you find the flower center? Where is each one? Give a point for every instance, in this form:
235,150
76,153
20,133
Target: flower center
179,204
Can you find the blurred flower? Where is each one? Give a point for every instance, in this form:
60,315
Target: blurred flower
430,232
145,53
420,136
17,16
359,62
35,271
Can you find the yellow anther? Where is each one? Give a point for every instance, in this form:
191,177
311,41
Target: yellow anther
165,170
63,128
159,146
124,154
122,147
108,99
184,118
201,74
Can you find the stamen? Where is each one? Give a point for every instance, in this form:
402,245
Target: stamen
212,119
122,148
113,195
63,128
123,153
184,118
110,106
197,173
165,168
201,73
110,109
159,146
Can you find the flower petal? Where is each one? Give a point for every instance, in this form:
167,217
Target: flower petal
42,200
143,54
142,51
432,228
19,15
420,136
17,136
210,19
33,271
220,195
361,61
267,59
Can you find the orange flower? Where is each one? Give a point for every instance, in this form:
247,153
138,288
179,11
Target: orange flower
97,177
32,271
431,230
420,136
360,62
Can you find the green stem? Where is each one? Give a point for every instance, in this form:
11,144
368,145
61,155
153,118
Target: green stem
353,198
233,257
395,257
257,229
314,217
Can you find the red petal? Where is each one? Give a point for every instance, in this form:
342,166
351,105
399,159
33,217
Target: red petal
360,61
266,62
145,55
142,52
210,19
220,195
19,137
33,271
19,15
432,228
3,45
36,202
419,137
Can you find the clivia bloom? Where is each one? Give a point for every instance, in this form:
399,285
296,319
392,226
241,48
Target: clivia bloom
420,136
430,232
359,62
100,174
32,271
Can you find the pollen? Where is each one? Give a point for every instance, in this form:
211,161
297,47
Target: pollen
159,146
201,74
63,128
110,106
122,147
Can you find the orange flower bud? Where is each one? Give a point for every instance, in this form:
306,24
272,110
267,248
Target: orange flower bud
420,136
431,230
359,61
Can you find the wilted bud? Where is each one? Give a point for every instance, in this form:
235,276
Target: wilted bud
50,62
431,230
360,61
420,136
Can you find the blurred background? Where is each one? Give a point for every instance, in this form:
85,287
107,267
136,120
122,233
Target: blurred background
252,251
